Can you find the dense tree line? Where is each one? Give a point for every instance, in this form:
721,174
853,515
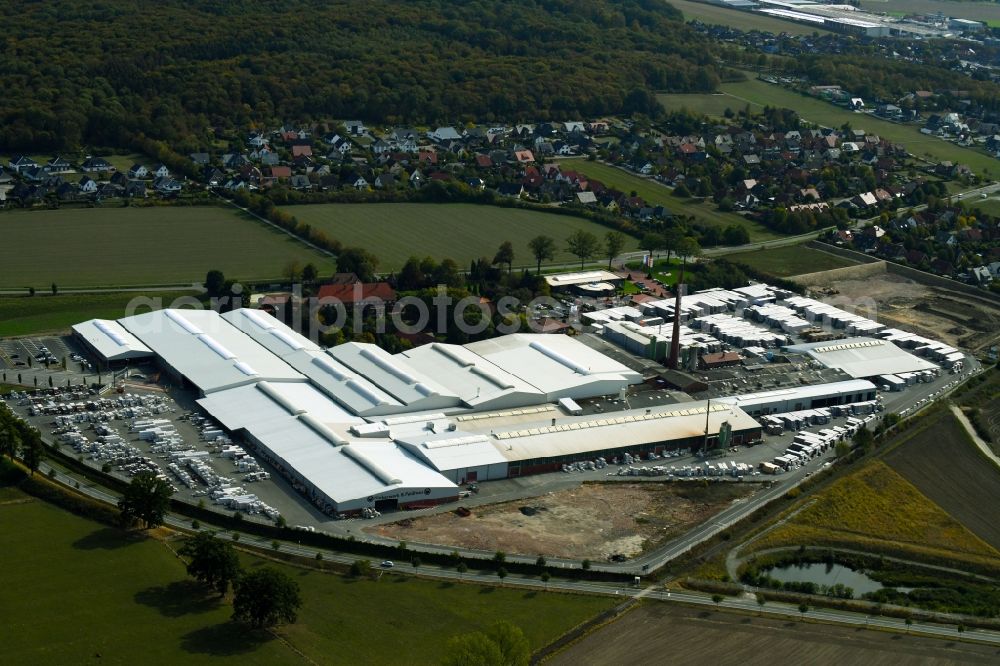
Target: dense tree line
88,73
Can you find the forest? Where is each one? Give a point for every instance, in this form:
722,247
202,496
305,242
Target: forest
102,72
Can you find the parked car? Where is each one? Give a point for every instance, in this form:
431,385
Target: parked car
388,564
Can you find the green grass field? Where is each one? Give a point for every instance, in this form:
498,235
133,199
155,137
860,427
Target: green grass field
989,206
656,193
759,93
141,246
463,232
76,592
23,315
789,260
709,105
716,15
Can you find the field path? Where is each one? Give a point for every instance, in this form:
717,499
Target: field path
983,446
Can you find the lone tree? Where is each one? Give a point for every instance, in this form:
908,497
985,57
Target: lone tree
505,255
266,597
213,561
543,248
145,500
503,645
215,282
614,243
582,244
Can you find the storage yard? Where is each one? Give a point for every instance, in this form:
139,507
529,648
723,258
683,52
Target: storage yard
932,311
600,521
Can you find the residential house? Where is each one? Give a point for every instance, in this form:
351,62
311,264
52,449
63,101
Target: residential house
385,181
524,156
442,134
19,162
514,190
87,185
302,151
201,159
138,171
300,182
97,165
58,165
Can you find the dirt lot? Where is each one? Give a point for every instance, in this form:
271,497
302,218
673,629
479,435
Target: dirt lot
595,520
659,633
948,469
931,311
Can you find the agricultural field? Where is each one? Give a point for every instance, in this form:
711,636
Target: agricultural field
789,260
463,232
977,11
657,193
117,247
943,463
876,509
44,313
77,592
716,15
758,94
593,520
668,633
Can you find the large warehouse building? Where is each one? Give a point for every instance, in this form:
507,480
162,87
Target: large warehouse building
355,427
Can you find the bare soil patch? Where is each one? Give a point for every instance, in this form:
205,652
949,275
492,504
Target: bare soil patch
594,520
672,634
946,467
931,311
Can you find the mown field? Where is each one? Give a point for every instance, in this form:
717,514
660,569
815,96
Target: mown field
789,260
141,246
660,633
759,94
658,194
875,509
710,105
463,232
76,592
944,464
716,15
43,313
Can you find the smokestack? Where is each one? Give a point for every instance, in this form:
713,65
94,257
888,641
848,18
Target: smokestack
675,344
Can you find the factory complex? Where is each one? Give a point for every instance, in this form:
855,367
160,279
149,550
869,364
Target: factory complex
354,427
849,19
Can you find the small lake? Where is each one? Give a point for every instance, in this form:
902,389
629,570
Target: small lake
827,574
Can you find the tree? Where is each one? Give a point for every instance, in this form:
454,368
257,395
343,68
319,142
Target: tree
503,645
145,499
215,282
540,562
614,243
310,273
543,248
360,568
292,270
803,609
585,565
761,600
55,289
545,577
505,255
843,449
651,243
359,261
31,452
717,599
461,568
499,557
582,244
266,597
416,562
501,574
214,562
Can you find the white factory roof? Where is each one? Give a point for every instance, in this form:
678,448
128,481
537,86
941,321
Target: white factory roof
394,375
351,390
111,340
312,441
746,400
475,380
864,357
581,278
598,432
453,449
557,365
280,339
206,349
